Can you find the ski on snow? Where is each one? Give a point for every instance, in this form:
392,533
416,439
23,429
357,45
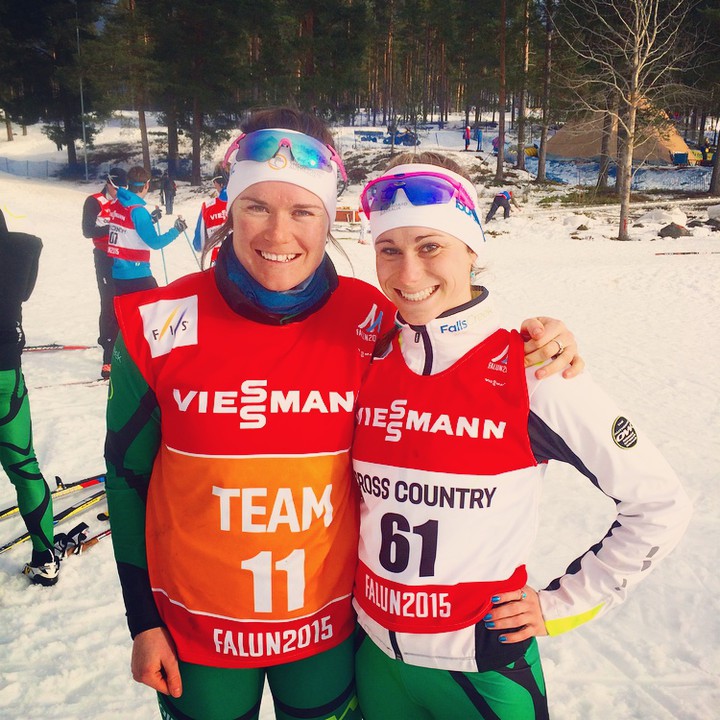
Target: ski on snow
62,515
51,347
60,490
100,382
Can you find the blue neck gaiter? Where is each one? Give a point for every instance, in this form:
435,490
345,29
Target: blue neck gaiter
288,303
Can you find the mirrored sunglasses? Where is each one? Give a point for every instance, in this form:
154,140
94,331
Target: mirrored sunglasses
306,151
421,188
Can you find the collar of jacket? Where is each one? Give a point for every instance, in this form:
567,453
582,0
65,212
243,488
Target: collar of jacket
128,198
434,347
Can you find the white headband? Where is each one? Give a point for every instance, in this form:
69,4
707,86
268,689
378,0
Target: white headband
452,218
280,168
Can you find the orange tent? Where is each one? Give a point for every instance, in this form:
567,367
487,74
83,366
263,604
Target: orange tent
581,139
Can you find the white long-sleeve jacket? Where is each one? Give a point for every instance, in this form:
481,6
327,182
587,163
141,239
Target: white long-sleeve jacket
571,421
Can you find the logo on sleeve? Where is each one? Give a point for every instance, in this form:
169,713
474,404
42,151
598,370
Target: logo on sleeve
168,324
624,434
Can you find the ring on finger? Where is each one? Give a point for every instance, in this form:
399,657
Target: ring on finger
561,348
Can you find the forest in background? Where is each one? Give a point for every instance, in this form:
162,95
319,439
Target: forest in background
202,66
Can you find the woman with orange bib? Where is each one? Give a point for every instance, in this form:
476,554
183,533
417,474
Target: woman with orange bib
230,421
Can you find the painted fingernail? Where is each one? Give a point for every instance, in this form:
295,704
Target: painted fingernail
495,599
502,638
489,624
487,617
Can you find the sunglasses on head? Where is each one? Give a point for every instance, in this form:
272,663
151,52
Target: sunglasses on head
420,188
306,151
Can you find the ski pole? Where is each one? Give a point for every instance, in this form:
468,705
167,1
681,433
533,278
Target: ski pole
192,249
162,250
162,255
61,489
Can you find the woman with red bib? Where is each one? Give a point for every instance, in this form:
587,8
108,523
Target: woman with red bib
452,440
230,421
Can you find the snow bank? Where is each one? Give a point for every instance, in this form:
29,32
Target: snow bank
664,217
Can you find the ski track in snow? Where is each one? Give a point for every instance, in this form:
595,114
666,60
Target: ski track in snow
648,327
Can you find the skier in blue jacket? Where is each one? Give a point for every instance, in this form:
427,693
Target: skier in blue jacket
133,235
502,200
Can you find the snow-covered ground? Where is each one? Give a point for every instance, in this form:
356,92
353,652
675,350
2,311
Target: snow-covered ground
648,325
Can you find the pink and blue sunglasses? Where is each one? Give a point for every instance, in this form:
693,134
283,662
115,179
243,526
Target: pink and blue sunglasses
420,188
306,151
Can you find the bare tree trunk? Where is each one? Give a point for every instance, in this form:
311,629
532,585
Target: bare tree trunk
195,178
542,154
701,128
523,84
389,101
499,174
442,87
173,145
142,122
426,77
625,160
8,127
715,177
602,181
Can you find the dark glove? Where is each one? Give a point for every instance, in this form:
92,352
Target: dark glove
180,225
156,214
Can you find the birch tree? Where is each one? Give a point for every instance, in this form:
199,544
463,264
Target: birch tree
522,93
629,49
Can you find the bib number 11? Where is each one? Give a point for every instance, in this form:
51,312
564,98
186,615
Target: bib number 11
265,574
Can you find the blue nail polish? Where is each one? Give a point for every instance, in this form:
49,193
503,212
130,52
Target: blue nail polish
489,625
502,638
495,599
488,617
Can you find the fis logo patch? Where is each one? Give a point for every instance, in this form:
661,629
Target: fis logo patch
168,324
623,433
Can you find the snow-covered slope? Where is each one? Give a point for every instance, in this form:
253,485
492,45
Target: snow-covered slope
649,327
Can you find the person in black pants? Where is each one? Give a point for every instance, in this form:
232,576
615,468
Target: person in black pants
95,219
502,200
167,192
19,256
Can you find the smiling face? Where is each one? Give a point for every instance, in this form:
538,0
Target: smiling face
424,272
279,233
